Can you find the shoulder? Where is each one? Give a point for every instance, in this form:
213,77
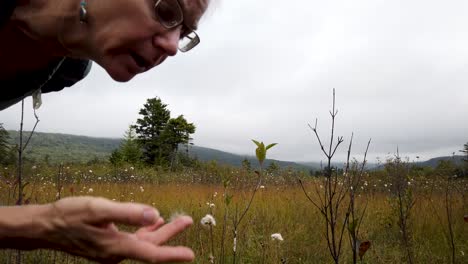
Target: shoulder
69,72
58,75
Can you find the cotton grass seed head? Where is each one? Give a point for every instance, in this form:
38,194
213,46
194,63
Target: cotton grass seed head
208,220
277,236
176,215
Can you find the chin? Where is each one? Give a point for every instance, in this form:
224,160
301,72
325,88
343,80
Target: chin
119,74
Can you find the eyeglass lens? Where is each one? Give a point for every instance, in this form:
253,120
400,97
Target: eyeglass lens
170,14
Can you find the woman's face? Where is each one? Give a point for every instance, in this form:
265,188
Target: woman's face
126,38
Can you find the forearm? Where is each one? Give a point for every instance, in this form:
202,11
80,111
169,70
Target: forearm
24,227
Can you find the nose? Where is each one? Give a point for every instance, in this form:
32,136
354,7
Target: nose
168,41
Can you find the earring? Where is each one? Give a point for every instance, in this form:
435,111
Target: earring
83,12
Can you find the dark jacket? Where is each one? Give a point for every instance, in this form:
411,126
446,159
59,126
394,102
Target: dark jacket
51,78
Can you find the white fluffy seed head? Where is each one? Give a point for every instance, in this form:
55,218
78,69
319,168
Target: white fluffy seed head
176,215
208,220
277,236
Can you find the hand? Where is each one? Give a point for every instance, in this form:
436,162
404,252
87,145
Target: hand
84,226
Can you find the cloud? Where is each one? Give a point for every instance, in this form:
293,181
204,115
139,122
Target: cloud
265,69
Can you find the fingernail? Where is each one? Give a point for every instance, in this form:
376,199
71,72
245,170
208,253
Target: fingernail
150,216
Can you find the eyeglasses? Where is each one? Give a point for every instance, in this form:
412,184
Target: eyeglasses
171,15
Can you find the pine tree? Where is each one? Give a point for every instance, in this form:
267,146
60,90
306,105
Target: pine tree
6,152
149,128
130,149
159,135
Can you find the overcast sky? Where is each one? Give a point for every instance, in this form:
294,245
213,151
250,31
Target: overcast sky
267,68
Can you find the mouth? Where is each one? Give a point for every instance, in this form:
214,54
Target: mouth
140,61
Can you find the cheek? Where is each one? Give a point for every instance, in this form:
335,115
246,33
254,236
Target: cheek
122,35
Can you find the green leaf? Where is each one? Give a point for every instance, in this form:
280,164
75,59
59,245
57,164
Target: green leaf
271,145
256,142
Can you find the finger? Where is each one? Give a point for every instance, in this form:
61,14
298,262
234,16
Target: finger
169,230
147,252
153,227
140,232
104,210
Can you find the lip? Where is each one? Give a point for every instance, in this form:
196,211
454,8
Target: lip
141,61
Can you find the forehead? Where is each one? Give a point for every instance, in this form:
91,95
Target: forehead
193,11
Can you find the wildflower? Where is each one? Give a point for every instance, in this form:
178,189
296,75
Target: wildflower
262,187
90,171
208,220
385,185
211,205
215,194
277,236
90,190
142,189
409,183
99,178
34,167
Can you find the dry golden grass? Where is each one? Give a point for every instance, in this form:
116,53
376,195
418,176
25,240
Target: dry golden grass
278,208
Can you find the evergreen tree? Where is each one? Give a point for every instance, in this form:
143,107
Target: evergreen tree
7,154
177,132
116,157
130,149
159,135
149,128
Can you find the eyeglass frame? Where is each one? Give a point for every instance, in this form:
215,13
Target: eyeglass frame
195,39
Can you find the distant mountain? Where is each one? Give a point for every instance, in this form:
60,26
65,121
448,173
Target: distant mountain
208,154
56,148
435,161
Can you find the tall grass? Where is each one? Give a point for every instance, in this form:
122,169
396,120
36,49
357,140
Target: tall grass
280,207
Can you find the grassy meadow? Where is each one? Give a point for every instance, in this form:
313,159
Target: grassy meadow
279,206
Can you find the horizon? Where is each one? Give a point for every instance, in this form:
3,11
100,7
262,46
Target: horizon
368,161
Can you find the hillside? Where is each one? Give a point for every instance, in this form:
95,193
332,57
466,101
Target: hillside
58,148
435,161
66,148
